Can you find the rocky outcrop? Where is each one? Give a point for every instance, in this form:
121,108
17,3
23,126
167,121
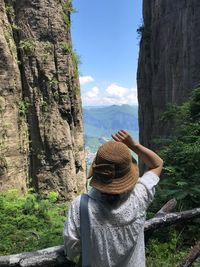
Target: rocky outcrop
13,129
48,96
169,61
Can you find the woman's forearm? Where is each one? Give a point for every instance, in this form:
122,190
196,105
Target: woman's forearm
150,158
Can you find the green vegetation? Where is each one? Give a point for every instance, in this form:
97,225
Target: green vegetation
8,37
53,82
27,45
67,48
15,27
66,20
181,154
23,106
165,254
30,222
143,32
168,246
76,58
10,10
2,104
76,61
47,46
46,50
67,9
44,106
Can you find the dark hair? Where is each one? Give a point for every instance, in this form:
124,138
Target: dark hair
114,199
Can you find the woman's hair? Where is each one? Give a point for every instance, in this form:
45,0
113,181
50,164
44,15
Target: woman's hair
114,199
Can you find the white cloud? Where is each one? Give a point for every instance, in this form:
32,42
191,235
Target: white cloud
133,96
112,95
85,79
115,90
93,93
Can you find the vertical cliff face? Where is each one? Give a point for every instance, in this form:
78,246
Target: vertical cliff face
48,99
169,65
13,130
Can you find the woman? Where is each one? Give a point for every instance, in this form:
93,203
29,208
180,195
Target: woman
117,204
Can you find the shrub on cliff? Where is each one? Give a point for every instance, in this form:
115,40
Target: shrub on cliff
181,154
29,223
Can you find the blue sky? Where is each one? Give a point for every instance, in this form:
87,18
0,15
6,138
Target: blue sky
104,35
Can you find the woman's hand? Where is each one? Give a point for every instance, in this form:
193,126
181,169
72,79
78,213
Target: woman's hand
150,158
124,137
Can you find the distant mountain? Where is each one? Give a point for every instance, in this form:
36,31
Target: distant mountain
103,121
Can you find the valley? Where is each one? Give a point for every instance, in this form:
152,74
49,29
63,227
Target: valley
100,122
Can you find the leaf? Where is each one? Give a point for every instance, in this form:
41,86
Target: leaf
180,183
196,189
181,195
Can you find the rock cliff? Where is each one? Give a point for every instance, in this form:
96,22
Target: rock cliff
41,133
169,61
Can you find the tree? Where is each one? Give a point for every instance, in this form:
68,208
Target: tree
181,154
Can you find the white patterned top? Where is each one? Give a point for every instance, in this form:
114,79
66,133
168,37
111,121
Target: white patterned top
117,232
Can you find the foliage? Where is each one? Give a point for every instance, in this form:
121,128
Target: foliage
23,106
197,263
53,82
76,61
165,254
67,48
68,7
76,58
181,154
29,222
10,10
15,27
140,30
2,104
27,45
66,20
144,32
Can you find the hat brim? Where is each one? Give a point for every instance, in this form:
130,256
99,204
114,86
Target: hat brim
118,185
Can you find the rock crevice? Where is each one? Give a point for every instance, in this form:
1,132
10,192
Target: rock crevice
48,93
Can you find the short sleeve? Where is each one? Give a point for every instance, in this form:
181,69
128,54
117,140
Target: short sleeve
71,231
145,188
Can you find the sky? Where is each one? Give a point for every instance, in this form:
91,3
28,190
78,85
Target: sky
104,34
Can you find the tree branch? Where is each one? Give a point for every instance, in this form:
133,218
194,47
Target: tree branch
171,218
191,257
168,207
50,257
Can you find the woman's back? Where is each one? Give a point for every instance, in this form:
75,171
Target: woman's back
116,230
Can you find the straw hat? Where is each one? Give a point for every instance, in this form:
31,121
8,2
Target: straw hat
113,170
